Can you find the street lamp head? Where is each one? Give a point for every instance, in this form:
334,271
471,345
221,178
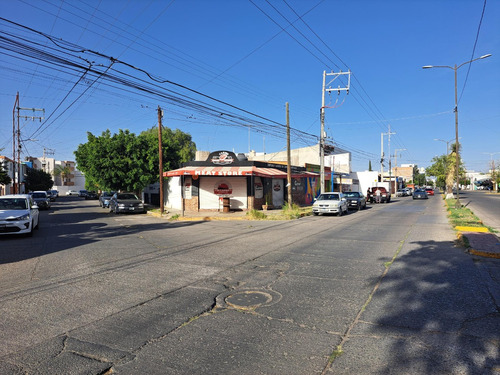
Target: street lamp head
485,56
427,67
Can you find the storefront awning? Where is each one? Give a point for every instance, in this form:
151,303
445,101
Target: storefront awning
236,171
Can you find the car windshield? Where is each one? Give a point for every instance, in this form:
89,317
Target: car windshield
352,194
328,197
127,196
13,204
39,195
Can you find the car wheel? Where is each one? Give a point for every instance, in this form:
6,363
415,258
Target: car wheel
359,206
38,224
315,213
340,211
364,207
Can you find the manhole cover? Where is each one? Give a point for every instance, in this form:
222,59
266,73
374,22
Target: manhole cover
247,299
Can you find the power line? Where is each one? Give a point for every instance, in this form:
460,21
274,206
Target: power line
473,51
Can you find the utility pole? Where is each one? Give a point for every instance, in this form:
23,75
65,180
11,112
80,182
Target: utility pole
17,134
322,117
160,156
288,158
16,105
396,155
45,153
382,157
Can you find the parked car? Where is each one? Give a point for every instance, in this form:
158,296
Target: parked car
18,214
330,203
125,202
385,196
51,195
91,195
71,192
402,193
82,193
355,200
55,193
420,194
429,191
41,199
409,191
104,198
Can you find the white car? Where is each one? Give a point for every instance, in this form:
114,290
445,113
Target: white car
330,203
18,214
71,192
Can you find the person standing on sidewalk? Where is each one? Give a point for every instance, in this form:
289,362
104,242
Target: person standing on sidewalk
377,194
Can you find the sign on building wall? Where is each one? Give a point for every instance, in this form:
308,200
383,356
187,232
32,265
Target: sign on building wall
259,188
188,187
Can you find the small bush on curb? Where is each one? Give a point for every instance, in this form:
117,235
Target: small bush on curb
256,215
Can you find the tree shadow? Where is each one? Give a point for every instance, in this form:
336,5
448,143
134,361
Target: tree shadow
68,230
436,314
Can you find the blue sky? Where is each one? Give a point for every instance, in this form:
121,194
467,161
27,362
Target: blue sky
231,65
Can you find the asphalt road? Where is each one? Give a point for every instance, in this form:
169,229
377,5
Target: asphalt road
379,291
484,204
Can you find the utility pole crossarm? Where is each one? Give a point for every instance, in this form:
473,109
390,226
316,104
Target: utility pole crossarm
322,118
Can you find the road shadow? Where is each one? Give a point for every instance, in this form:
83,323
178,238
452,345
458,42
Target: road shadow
65,231
435,314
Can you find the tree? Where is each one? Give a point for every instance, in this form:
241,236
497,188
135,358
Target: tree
124,161
4,177
444,169
37,179
418,178
439,169
61,171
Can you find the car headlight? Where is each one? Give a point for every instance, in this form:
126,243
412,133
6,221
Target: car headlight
121,205
19,218
140,205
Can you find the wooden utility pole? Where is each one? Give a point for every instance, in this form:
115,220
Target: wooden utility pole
16,105
288,158
160,156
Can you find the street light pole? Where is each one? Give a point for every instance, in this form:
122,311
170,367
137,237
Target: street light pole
447,143
455,68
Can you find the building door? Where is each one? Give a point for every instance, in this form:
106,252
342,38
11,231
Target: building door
278,195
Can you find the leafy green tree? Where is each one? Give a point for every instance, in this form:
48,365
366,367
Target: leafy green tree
4,177
439,169
124,161
418,178
444,169
37,179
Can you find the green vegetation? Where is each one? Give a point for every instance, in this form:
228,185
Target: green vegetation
37,179
444,169
4,177
125,161
461,216
256,215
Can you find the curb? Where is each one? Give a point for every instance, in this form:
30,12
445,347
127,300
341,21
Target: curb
470,250
197,218
473,229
